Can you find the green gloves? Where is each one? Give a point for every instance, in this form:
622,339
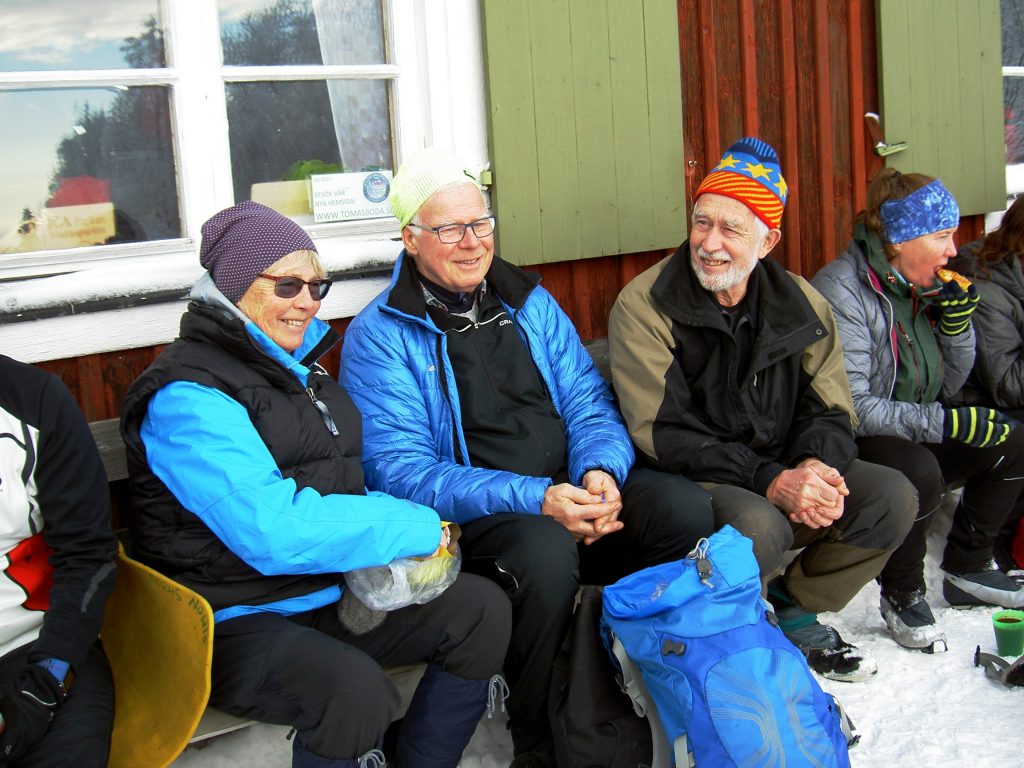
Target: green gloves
977,426
956,307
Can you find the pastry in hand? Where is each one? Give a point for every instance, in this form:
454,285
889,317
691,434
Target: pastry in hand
946,275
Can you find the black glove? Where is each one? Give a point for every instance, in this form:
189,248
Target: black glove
978,427
956,307
27,703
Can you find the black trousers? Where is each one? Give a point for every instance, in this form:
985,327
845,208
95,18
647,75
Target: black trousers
311,672
992,480
540,566
79,734
1004,541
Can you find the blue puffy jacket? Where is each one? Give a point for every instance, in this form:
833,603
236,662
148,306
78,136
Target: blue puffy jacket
395,366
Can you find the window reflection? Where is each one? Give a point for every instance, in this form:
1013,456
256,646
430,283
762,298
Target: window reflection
47,35
1013,113
305,128
86,166
1013,87
282,32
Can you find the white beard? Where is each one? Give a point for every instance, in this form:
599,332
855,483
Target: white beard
719,283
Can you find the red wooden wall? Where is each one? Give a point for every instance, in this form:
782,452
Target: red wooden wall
799,74
586,290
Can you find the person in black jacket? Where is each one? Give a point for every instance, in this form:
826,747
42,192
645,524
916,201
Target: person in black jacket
729,371
997,378
244,457
56,690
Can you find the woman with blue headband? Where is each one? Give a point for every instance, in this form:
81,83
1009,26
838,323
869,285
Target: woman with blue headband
909,345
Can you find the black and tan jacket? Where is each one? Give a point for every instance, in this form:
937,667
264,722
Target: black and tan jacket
674,368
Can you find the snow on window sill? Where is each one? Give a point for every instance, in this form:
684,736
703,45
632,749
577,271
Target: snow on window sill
145,281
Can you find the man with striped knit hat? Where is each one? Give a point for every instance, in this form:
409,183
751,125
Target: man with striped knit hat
729,371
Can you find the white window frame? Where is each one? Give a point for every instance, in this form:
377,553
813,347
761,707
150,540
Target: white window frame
438,99
1014,173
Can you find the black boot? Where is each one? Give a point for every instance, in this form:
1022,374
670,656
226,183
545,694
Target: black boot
441,719
303,758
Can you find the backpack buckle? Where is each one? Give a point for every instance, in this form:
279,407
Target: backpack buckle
1009,673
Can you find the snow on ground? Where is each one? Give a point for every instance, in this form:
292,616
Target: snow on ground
919,710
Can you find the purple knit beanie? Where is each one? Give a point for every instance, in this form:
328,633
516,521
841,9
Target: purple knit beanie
240,242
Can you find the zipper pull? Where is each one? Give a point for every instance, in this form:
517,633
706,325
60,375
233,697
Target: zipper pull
704,571
903,332
704,567
324,413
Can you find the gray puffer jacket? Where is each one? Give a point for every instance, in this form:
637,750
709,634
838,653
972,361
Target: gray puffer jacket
998,376
864,316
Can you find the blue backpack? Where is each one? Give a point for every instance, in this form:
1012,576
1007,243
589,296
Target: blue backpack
719,681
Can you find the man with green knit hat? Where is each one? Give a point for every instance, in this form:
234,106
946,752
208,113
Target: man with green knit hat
477,395
729,370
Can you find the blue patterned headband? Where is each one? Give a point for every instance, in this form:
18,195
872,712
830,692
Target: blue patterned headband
929,209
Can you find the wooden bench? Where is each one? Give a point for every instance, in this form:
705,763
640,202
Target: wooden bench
598,349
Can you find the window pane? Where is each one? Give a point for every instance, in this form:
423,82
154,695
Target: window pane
269,33
71,34
304,128
1013,87
1013,103
1012,19
85,166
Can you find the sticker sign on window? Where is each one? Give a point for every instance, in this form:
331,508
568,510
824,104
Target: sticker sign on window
350,196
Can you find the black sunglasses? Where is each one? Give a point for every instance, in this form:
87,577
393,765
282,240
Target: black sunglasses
288,287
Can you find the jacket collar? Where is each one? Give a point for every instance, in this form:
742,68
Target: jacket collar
234,330
891,281
779,302
510,283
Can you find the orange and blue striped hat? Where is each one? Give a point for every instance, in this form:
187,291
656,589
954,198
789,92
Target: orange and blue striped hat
749,172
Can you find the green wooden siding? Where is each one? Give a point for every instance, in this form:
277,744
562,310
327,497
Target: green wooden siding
585,127
941,91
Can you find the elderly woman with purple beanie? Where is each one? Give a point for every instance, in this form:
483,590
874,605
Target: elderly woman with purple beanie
247,486
908,344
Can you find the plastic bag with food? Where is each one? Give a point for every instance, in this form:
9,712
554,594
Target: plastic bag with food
408,580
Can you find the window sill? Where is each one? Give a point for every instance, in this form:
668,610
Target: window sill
138,282
139,303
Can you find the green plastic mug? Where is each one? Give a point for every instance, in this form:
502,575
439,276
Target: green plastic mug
1009,628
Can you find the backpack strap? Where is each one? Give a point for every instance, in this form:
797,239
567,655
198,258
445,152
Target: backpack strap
683,756
846,724
634,686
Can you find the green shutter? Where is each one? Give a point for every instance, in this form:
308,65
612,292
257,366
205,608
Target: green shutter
941,92
585,127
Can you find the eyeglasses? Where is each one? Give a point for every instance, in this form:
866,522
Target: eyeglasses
288,287
454,233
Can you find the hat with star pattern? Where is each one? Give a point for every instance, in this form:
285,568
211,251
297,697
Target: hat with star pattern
749,172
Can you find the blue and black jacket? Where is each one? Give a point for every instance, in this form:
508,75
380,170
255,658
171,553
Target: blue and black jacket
396,367
245,465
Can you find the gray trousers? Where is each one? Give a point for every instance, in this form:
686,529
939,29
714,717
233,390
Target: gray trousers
838,560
